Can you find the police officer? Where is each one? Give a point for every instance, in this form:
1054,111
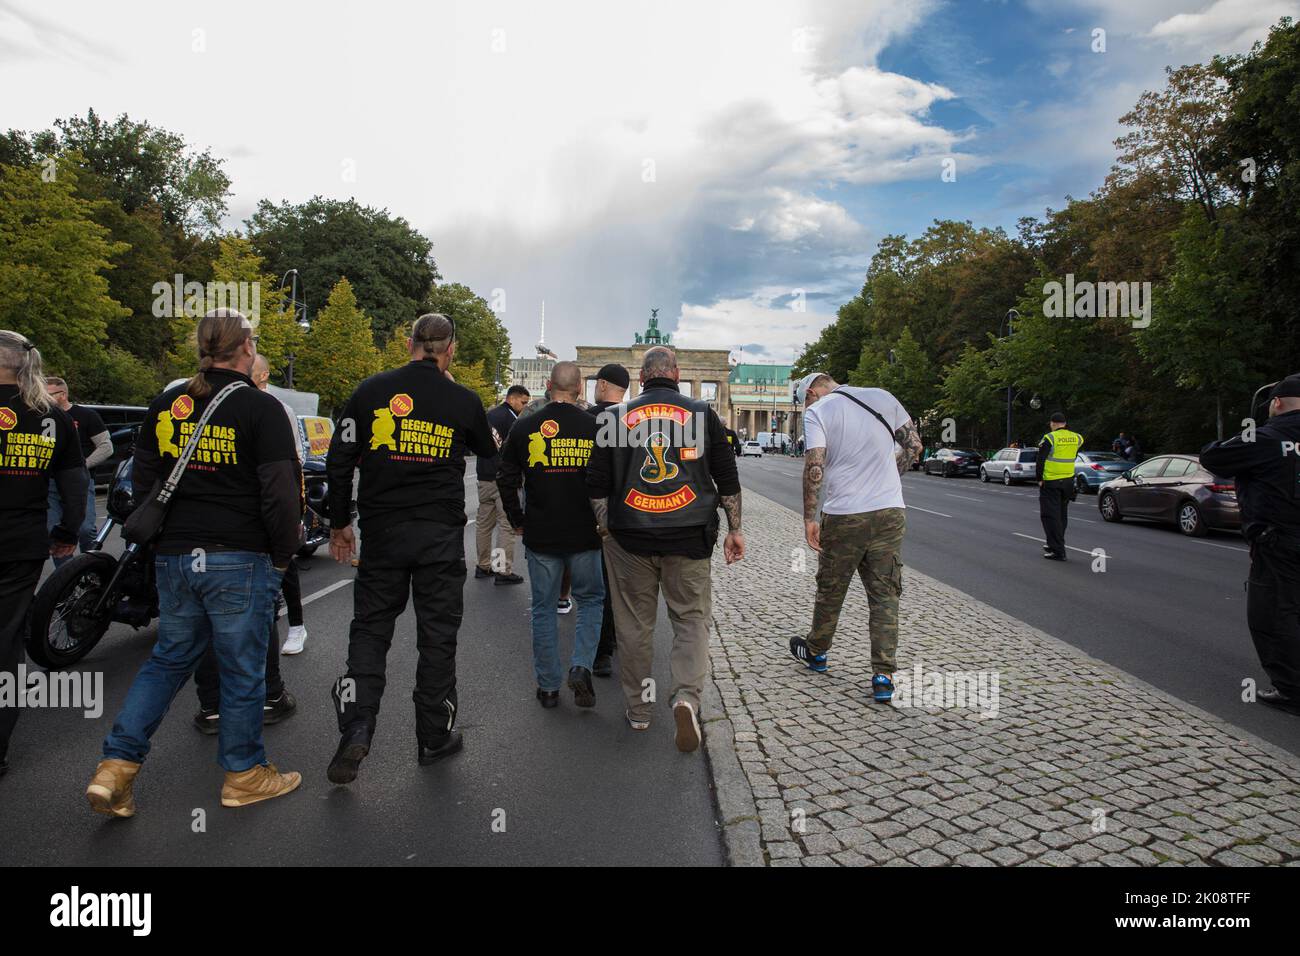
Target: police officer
220,557
38,450
1055,471
657,488
1267,473
407,430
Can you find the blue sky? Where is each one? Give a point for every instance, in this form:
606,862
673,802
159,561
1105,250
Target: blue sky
733,163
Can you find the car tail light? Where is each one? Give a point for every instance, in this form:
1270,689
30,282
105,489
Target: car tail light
1096,467
1229,489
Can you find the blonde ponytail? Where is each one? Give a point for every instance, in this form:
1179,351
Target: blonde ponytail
24,360
220,334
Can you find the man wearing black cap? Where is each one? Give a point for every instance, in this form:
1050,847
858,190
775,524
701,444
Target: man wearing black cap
611,385
1266,467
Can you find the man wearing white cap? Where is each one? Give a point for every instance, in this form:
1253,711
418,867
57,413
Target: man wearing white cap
860,441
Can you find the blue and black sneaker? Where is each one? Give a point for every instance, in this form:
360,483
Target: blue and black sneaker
882,689
800,651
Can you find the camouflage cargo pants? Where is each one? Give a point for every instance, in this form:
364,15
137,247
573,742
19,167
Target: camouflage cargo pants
870,544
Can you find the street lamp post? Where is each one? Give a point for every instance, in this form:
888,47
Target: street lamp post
293,299
1007,322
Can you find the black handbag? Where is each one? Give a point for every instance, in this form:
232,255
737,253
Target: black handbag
145,523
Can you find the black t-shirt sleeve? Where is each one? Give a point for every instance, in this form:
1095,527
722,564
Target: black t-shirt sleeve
600,465
274,439
722,460
91,423
341,460
478,434
67,446
510,477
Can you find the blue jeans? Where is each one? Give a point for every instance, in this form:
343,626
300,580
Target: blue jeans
545,572
229,604
54,514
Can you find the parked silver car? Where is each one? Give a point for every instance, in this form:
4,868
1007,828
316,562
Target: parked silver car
1010,465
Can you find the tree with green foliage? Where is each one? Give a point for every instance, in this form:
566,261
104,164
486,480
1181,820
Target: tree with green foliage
52,259
389,265
339,350
480,336
910,377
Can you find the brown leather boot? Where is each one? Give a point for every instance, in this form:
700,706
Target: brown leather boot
256,784
109,792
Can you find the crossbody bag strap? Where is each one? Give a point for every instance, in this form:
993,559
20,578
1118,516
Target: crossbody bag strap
169,486
880,418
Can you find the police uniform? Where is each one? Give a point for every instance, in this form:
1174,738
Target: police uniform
35,449
663,496
1055,470
1267,474
407,431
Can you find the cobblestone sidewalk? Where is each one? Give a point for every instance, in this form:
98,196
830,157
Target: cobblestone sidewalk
1055,759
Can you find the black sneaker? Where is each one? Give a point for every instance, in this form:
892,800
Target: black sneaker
603,665
277,710
483,572
353,747
584,695
444,746
549,698
1053,556
509,579
801,652
207,721
564,606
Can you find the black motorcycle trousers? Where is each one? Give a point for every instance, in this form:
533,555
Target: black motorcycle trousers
425,560
17,585
1273,611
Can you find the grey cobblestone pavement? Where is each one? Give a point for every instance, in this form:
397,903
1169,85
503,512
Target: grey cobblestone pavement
1055,759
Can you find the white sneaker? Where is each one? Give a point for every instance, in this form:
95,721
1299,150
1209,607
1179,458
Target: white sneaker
636,724
297,638
688,727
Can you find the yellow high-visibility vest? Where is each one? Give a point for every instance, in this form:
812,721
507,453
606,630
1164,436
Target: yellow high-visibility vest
1063,446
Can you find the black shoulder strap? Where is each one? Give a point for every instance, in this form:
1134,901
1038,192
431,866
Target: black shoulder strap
880,418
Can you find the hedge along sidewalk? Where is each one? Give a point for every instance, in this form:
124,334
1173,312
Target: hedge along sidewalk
1072,762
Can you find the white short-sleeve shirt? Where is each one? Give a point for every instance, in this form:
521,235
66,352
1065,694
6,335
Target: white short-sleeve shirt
861,470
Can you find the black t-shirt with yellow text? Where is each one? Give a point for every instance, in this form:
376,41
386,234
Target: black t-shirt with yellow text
547,453
408,431
33,447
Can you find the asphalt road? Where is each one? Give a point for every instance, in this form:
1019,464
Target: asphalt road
572,787
1169,609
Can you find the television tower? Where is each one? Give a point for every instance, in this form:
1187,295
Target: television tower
542,350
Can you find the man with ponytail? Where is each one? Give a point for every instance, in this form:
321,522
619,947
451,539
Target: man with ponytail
407,430
220,557
38,445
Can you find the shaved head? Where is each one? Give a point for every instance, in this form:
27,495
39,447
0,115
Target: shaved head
659,362
566,377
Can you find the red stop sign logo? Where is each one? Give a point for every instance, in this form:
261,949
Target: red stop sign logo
182,408
8,418
401,404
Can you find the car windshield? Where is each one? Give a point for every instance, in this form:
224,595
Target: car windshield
961,451
1104,456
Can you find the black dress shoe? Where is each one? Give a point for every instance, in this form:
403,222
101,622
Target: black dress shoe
1053,556
274,711
1275,698
584,695
549,698
445,746
353,747
207,721
483,572
603,666
509,579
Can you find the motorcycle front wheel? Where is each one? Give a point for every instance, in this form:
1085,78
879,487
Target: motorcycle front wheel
63,630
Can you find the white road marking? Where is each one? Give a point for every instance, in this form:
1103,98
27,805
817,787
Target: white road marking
1070,546
928,511
1225,547
962,497
320,594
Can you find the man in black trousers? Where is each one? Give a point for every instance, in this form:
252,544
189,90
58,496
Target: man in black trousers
611,385
407,431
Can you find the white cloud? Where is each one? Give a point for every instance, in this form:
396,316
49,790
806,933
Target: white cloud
763,330
1225,26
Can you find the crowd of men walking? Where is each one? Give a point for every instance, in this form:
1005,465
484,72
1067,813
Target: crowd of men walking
617,504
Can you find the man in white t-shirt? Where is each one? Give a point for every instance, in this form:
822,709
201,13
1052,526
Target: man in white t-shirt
859,442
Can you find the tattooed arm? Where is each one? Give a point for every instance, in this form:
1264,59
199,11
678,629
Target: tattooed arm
909,441
600,508
814,470
731,505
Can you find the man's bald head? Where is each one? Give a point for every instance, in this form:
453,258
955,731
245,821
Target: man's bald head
566,378
659,362
261,371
